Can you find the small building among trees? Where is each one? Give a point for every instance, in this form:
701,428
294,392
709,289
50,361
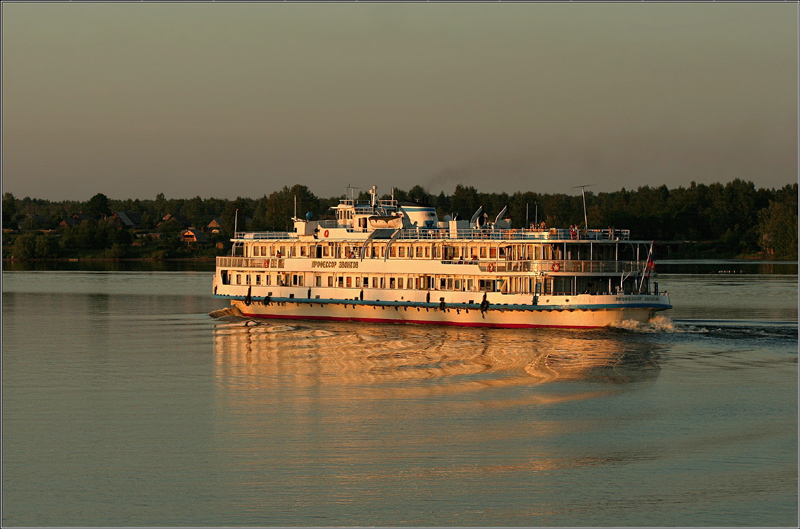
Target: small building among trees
193,236
125,219
214,227
180,219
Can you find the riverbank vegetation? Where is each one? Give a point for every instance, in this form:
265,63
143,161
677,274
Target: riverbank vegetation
700,221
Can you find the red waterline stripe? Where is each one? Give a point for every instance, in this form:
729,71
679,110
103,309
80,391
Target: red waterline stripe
420,322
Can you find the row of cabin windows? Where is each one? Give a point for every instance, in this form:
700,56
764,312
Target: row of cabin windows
416,251
452,283
428,251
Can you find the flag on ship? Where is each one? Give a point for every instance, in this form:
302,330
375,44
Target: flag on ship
651,264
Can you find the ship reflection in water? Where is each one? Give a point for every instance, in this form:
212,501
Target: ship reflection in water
408,425
424,359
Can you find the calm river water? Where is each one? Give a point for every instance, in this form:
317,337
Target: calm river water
125,404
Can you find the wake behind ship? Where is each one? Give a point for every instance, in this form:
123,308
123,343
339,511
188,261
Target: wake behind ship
382,261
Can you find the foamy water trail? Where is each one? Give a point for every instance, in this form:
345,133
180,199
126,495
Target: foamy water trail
659,324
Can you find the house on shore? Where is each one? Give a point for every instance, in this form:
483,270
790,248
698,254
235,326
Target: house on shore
74,220
33,221
180,219
125,219
192,236
214,227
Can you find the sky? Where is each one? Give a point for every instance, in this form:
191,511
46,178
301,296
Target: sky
226,100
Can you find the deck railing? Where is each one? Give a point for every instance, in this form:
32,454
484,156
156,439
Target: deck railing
262,235
467,234
548,266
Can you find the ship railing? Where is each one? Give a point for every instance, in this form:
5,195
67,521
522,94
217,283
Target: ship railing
468,234
516,234
263,235
586,267
250,262
548,266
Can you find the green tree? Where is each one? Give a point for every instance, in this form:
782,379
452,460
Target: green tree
46,247
98,205
9,209
279,206
778,230
25,246
464,201
419,195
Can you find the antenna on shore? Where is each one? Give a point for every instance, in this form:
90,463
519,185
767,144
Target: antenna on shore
583,193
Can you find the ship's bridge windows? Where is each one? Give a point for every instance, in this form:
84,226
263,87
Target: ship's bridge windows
349,281
427,251
258,279
330,281
358,282
303,251
399,282
493,253
238,279
266,280
393,252
391,282
340,281
483,252
318,280
401,252
419,251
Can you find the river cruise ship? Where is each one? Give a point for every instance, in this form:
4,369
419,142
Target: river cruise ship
391,262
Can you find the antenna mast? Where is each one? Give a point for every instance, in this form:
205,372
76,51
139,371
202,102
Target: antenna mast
583,193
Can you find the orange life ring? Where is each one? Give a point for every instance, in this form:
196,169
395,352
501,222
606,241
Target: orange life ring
266,263
326,233
490,268
556,267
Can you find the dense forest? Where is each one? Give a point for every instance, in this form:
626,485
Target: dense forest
716,220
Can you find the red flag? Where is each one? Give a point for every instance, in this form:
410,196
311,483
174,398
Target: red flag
651,264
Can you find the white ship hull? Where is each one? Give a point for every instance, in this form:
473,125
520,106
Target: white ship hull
465,318
581,311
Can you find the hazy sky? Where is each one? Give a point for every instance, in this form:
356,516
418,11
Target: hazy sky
226,100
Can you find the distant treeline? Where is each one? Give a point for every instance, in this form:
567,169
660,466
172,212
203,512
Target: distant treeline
722,220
